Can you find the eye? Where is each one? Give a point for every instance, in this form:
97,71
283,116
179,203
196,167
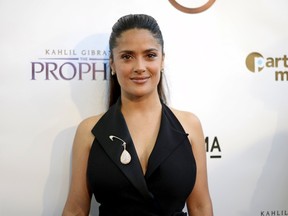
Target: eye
151,55
126,57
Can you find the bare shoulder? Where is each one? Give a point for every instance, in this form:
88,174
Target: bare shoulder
191,124
188,119
83,132
89,123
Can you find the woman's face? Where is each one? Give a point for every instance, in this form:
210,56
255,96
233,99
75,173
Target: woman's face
137,62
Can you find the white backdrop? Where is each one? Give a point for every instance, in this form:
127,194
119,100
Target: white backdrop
244,114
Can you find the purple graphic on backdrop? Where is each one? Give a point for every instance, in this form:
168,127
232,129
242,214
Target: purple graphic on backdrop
88,61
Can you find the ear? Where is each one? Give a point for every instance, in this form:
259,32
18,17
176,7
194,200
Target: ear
163,61
112,66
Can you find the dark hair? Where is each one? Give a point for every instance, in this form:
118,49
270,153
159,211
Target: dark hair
132,21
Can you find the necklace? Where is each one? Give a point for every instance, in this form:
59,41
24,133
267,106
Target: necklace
125,157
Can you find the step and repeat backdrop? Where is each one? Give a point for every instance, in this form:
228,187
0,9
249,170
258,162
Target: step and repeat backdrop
226,61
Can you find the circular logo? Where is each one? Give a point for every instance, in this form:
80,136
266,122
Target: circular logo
255,62
192,10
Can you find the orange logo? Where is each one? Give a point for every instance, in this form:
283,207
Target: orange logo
192,10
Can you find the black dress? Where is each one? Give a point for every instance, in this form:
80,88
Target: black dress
123,190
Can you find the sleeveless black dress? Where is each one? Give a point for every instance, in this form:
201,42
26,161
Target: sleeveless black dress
123,190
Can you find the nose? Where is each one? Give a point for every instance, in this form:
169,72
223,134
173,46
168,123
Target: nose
139,66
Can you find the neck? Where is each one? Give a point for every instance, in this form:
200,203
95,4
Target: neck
142,105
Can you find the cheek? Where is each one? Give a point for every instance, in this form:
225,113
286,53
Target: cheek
155,69
122,73
122,68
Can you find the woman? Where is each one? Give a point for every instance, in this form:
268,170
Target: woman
140,157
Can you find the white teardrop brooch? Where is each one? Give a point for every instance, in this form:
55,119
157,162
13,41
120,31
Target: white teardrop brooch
125,157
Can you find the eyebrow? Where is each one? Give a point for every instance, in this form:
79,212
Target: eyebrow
145,51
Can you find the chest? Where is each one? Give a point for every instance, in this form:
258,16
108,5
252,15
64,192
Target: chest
144,133
176,170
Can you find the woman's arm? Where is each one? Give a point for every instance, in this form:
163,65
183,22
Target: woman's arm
79,197
199,202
